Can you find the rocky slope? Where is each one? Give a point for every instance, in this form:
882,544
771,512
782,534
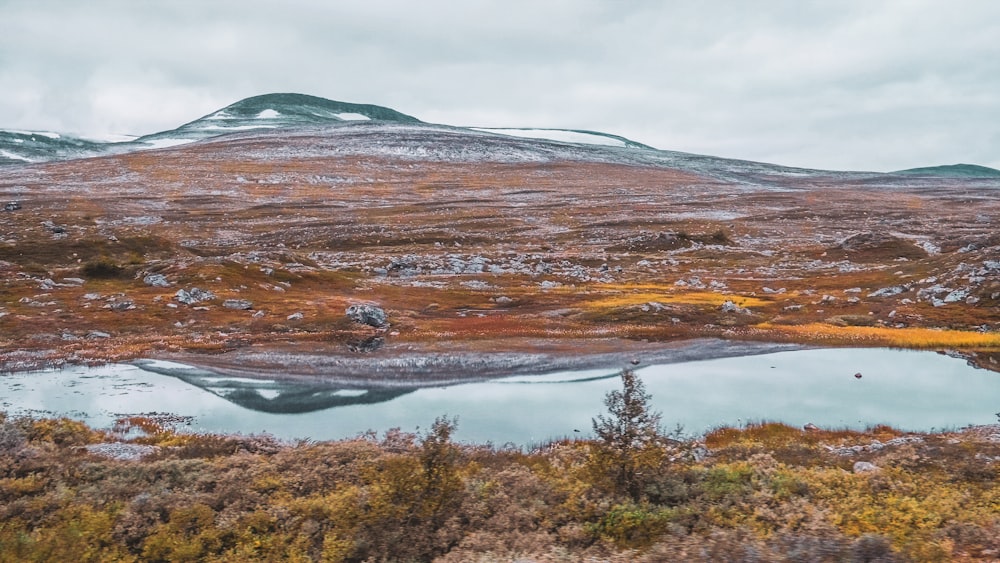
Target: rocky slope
473,237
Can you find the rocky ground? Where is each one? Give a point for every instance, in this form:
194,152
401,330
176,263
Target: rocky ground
234,251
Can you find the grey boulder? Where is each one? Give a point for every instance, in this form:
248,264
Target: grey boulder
369,314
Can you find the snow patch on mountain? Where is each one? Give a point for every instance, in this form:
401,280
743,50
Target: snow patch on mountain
352,116
268,114
236,127
110,138
12,156
163,143
560,135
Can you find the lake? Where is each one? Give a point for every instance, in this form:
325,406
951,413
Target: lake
918,391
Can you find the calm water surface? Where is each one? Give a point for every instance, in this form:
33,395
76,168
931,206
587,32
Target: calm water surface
909,390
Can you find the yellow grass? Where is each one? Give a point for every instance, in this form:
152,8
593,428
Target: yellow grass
707,298
901,337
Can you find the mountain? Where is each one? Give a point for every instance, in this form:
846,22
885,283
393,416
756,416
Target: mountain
275,118
272,111
309,125
21,147
953,171
262,113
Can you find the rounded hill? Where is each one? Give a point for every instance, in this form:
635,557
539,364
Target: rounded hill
306,108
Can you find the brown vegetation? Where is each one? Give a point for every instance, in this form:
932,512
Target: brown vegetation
476,250
764,492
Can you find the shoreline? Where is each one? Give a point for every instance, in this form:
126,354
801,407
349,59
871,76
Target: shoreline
444,363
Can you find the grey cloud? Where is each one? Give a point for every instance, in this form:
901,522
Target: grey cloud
854,84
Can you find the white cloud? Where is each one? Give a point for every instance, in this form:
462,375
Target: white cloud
853,84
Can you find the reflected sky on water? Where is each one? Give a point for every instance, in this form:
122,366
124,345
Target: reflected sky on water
910,390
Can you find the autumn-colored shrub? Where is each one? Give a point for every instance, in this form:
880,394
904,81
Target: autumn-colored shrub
765,491
60,431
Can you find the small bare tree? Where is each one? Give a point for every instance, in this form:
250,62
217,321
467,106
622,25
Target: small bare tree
629,438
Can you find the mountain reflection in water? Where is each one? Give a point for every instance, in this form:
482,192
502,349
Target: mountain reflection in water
292,397
277,397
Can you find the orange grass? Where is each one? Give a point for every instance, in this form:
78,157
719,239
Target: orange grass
901,337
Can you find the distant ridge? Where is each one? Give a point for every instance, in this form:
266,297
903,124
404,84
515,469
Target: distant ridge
953,171
277,115
25,147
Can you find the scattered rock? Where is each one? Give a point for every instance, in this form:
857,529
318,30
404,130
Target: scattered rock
53,228
239,304
729,307
295,317
123,305
156,280
369,314
888,291
957,295
810,427
193,295
476,284
121,450
904,440
12,206
875,446
47,284
699,453
95,334
503,300
865,467
654,306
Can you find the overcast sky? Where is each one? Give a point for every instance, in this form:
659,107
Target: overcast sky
846,84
